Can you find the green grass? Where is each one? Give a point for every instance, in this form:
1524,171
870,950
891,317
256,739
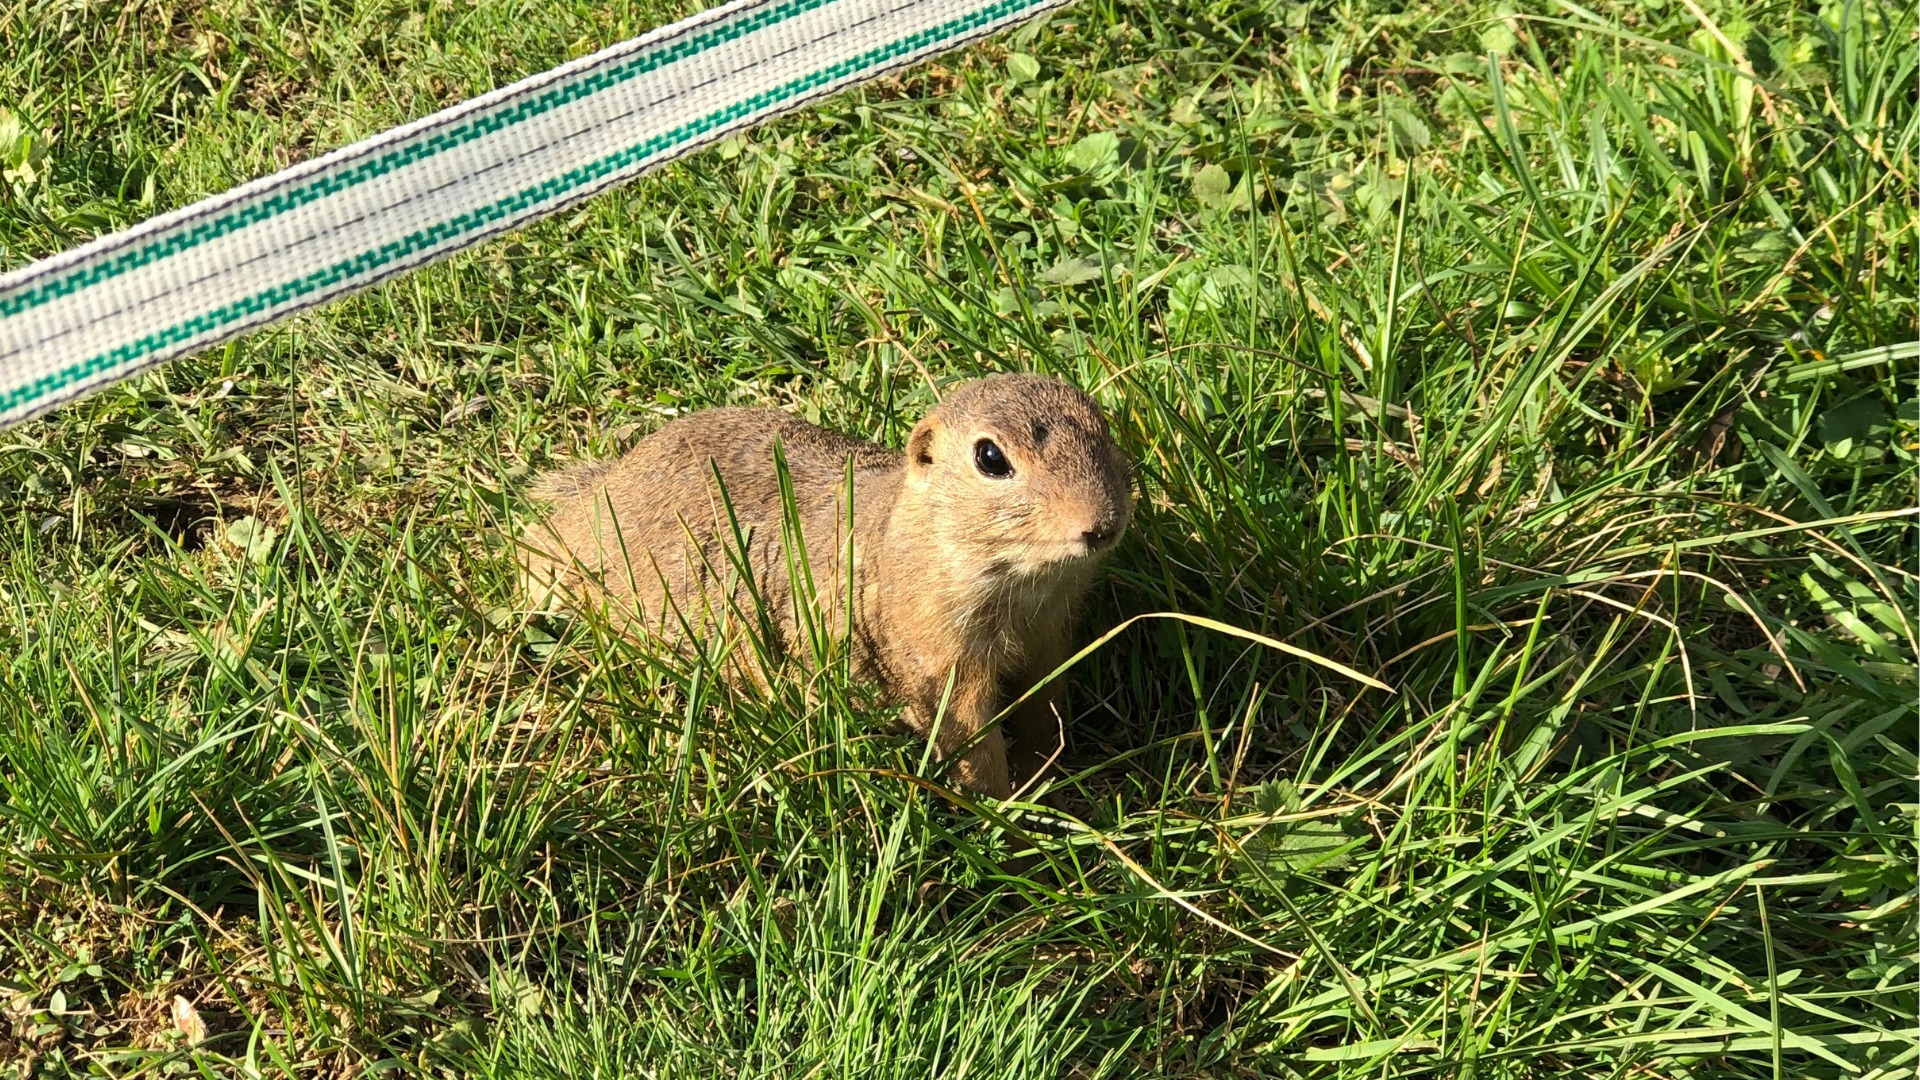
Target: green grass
1554,364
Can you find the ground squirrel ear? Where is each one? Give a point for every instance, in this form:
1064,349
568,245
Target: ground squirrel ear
920,444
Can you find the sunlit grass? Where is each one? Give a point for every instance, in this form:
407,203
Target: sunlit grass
1554,368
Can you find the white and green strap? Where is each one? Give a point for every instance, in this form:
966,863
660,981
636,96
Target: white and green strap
296,239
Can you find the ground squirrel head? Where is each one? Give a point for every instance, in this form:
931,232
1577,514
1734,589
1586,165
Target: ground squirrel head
1020,471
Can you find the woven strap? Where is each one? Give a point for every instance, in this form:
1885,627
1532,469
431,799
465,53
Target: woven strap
291,241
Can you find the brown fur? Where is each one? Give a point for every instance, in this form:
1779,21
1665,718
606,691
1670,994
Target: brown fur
956,574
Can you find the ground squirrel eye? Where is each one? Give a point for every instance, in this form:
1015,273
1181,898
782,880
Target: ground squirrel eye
990,459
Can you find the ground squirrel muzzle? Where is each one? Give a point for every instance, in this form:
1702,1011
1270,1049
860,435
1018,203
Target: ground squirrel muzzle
966,555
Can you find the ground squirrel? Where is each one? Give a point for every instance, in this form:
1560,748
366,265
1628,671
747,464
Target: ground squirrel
967,553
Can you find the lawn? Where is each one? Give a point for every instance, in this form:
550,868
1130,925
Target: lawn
1553,364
